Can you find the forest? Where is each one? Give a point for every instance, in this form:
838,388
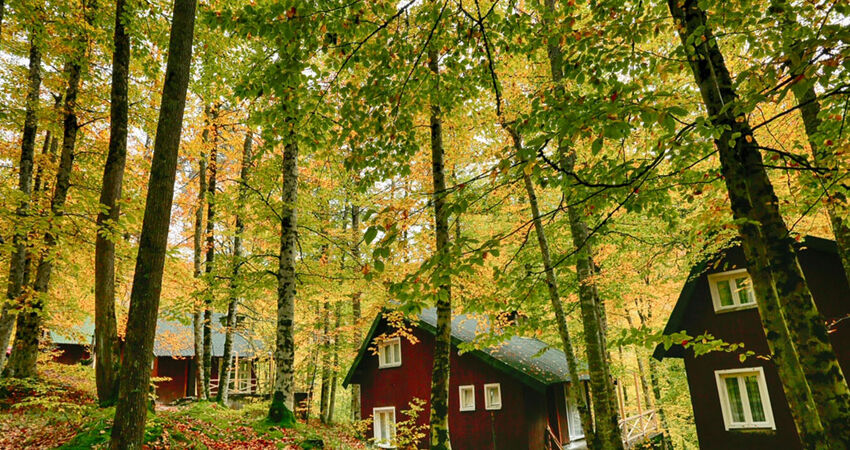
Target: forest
223,221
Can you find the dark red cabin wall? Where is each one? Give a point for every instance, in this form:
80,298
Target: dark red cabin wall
520,424
178,371
71,353
828,284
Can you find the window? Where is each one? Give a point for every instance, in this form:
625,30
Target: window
467,398
389,353
744,399
383,421
492,396
731,290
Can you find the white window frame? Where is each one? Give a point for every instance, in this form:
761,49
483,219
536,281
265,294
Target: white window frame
714,278
722,392
375,427
460,389
385,344
492,406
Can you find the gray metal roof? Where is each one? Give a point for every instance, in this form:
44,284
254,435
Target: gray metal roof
529,356
173,338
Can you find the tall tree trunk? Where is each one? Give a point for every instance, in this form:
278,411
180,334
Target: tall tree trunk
107,351
131,411
641,365
22,362
653,372
210,260
334,363
824,155
575,388
768,246
198,316
355,304
244,175
283,398
605,400
439,419
326,362
607,428
18,260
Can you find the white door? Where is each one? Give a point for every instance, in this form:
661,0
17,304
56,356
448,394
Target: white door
574,421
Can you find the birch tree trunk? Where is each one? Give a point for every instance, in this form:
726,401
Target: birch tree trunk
22,362
439,420
334,363
772,261
107,351
282,403
18,260
210,260
232,307
198,316
131,410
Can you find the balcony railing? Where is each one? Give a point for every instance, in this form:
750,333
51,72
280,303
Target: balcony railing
638,428
240,386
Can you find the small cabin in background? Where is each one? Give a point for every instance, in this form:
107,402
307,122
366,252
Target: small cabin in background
510,396
173,357
742,404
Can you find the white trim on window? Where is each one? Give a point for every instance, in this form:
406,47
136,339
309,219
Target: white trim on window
383,426
737,379
466,406
389,353
737,297
492,402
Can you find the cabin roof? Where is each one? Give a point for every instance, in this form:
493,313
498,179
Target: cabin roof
173,338
530,360
676,322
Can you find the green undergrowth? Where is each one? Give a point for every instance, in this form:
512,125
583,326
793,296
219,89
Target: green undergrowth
59,410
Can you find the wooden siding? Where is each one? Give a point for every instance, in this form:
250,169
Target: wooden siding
826,279
176,369
520,424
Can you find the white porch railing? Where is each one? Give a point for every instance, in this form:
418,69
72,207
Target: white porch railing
240,386
637,428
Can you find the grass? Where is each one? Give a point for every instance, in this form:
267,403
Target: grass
61,412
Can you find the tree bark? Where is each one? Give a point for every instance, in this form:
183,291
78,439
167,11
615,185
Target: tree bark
326,362
198,316
232,307
22,362
575,388
439,420
355,304
18,260
607,428
772,261
823,155
334,364
131,410
107,351
283,397
210,260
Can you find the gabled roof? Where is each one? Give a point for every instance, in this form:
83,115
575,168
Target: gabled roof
675,323
531,361
173,338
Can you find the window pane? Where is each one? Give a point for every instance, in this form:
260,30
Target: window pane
397,351
754,396
745,290
735,404
725,292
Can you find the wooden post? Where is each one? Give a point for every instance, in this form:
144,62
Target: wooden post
236,371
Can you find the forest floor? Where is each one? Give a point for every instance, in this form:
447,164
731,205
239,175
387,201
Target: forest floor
61,412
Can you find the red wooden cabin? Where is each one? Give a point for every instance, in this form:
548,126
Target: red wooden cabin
511,396
173,353
742,404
